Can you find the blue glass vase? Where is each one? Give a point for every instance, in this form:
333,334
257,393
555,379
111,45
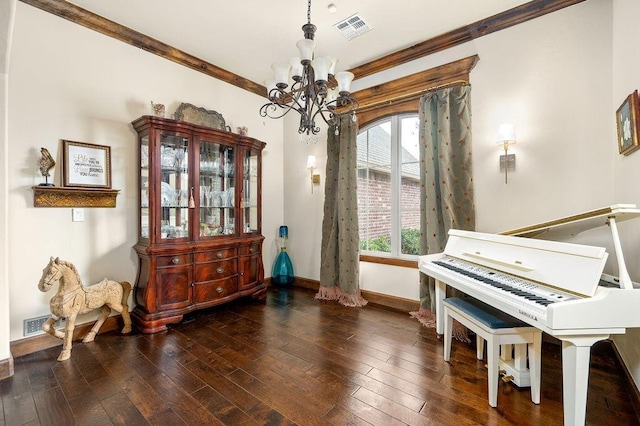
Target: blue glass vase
282,273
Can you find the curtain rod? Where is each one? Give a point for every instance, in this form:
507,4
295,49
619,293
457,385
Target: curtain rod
451,84
414,94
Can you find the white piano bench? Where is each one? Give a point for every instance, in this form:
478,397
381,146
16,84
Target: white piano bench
500,331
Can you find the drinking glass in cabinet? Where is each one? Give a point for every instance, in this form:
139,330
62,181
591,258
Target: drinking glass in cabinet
168,158
231,195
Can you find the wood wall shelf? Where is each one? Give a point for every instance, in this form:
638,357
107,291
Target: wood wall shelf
54,196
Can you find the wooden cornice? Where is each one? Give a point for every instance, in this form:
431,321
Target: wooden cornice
511,17
88,19
414,85
506,19
401,95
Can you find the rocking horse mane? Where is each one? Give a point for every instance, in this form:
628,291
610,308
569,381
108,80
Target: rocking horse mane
73,269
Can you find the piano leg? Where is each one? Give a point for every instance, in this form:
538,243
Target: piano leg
576,351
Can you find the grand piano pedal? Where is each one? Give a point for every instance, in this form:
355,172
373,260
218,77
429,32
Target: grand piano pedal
506,379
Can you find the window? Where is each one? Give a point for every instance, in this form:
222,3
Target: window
389,187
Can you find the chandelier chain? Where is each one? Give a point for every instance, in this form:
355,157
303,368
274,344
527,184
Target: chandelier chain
312,93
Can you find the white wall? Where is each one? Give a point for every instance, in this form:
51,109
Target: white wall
303,210
7,13
79,85
552,78
626,62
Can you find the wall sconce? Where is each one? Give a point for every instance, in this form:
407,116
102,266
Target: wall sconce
311,165
507,137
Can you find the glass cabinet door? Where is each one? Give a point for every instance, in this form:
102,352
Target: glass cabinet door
250,190
216,189
144,187
174,188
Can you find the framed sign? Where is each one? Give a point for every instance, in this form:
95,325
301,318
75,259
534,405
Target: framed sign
627,124
86,165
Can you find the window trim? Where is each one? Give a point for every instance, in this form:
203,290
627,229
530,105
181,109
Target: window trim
393,261
395,184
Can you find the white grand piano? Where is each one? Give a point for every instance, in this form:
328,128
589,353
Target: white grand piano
556,286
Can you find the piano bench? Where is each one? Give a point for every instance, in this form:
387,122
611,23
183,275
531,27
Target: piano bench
497,329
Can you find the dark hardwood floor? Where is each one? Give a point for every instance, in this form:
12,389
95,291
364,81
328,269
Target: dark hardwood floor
291,360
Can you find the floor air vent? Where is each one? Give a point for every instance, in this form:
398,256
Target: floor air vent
353,26
34,325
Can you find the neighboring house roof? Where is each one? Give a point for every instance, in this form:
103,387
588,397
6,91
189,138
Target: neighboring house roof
376,154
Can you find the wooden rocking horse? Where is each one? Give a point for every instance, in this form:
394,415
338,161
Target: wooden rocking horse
73,298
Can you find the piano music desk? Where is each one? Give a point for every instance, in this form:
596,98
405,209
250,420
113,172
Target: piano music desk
497,329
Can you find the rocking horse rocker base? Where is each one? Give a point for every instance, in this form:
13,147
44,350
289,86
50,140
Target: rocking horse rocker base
73,298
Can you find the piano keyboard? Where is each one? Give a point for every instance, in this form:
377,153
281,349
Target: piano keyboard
514,289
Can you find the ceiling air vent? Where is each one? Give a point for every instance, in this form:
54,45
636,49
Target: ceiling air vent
353,26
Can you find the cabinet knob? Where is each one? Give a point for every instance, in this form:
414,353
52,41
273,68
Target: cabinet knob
175,260
220,255
252,249
219,289
220,270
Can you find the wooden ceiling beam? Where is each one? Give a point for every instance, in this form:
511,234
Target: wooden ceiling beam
509,18
506,19
90,20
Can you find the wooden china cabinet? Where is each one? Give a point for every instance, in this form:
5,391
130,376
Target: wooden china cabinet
199,226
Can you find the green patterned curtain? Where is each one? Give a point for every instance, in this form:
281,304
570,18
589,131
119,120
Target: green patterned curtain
446,178
340,251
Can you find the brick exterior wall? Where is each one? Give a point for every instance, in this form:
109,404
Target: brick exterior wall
378,190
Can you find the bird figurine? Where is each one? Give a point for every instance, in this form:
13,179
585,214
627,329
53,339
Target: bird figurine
45,164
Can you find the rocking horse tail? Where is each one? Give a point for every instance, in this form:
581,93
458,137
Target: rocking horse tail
126,290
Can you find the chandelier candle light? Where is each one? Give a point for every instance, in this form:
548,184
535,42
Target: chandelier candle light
313,90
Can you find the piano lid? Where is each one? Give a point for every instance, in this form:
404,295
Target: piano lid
570,226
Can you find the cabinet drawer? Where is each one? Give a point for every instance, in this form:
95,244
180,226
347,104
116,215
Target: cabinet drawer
217,254
175,260
250,249
216,270
205,292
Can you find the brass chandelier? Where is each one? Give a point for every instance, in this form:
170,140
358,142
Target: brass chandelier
313,91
